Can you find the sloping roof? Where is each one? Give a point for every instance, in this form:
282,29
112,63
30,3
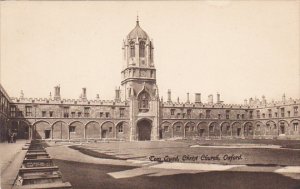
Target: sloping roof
137,32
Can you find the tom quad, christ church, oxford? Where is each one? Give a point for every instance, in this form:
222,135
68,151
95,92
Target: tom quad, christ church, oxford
137,112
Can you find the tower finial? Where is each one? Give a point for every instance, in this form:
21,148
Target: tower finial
137,18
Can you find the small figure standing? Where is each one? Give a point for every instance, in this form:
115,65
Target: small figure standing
11,137
8,136
14,136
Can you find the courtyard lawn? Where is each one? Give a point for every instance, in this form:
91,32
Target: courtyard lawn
85,175
269,152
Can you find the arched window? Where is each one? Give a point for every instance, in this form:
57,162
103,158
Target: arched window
132,49
120,128
144,101
142,49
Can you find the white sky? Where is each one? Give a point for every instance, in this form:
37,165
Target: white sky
240,49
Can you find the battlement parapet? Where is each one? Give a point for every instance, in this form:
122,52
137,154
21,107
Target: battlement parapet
288,102
204,105
68,101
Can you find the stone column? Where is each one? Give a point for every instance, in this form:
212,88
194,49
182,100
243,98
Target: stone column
184,127
84,131
68,132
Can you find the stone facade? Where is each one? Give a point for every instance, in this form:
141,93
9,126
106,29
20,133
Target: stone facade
4,113
137,113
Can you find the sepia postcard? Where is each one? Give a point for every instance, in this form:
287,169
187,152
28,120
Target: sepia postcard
150,94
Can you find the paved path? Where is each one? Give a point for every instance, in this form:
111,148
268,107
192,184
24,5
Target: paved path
11,159
8,152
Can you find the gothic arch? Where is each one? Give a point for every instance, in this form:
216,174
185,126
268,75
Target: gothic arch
42,130
271,128
248,129
60,130
226,128
282,120
166,122
259,128
107,129
165,129
235,122
91,122
40,122
202,128
295,127
144,129
236,128
294,120
122,130
58,122
73,122
26,122
144,118
177,128
190,129
92,129
21,127
213,129
284,127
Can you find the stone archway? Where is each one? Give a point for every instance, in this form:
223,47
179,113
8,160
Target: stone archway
76,130
144,129
42,130
60,130
248,129
92,130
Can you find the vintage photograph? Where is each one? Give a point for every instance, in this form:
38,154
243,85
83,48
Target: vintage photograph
150,94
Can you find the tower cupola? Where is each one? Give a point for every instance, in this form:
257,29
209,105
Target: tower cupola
137,32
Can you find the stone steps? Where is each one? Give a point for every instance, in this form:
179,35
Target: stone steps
38,170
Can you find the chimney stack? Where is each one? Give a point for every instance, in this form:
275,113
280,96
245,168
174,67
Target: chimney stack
218,98
169,96
250,101
57,92
197,97
283,98
83,95
117,94
264,101
210,99
246,102
187,97
21,95
97,96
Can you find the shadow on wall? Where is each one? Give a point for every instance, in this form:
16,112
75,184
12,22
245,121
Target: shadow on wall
18,124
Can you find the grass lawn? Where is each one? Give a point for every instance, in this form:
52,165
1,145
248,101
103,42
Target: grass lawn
205,153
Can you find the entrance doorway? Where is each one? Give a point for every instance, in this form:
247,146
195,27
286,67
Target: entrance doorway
47,133
144,130
201,132
238,131
282,131
104,134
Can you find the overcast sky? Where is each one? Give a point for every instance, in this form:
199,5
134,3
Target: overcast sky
240,49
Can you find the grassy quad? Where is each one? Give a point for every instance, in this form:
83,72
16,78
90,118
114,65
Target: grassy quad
237,151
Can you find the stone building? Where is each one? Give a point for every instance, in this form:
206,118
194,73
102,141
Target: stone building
137,113
4,113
